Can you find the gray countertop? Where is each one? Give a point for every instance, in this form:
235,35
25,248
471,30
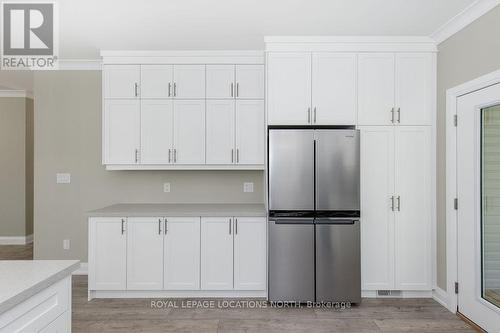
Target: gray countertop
22,279
179,210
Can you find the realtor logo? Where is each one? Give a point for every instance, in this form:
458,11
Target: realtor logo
29,35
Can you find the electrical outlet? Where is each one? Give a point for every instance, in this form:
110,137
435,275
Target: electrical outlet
166,187
63,178
247,187
66,244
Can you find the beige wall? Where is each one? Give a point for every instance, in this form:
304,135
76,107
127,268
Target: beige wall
470,53
15,166
68,139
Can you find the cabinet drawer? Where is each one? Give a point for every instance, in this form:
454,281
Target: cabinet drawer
38,311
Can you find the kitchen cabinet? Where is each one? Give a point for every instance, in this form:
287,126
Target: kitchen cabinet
157,131
396,207
220,141
108,254
189,82
235,81
220,81
189,132
121,131
182,253
144,253
217,253
249,82
250,132
121,81
334,88
250,255
156,81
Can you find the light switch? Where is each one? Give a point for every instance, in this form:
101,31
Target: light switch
66,244
166,187
63,178
247,187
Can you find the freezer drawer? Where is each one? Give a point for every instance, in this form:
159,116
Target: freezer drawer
338,261
291,260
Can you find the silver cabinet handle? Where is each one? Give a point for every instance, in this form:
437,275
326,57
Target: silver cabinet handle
175,89
175,155
235,226
315,115
232,155
237,89
399,115
159,226
232,89
230,221
123,226
399,203
237,155
309,115
392,203
169,89
169,155
136,89
166,226
392,115
137,156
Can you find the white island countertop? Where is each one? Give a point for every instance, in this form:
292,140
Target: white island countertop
21,279
179,210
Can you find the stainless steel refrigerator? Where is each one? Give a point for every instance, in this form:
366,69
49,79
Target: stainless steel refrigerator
314,241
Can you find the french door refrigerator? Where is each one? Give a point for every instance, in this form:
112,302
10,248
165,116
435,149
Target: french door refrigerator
314,241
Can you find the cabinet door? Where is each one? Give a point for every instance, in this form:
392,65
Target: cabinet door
334,88
413,209
250,253
182,253
156,81
121,81
250,132
61,324
121,131
220,132
377,217
250,81
220,81
414,88
107,254
375,88
216,253
189,132
157,124
189,81
289,88
145,253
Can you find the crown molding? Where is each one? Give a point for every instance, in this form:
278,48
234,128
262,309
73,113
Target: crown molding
471,13
15,93
80,64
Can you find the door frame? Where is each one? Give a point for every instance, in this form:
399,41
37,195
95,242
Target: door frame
452,96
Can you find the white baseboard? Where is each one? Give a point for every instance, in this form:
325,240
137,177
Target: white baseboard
16,240
403,294
83,270
440,296
176,294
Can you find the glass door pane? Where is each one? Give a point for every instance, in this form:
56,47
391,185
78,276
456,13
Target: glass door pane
490,204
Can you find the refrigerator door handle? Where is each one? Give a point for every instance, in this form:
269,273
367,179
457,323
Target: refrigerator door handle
292,220
336,220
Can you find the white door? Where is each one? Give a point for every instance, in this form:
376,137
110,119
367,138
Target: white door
414,88
334,96
377,215
182,253
289,88
249,81
189,132
122,81
250,132
108,254
220,132
412,226
157,117
478,184
145,253
156,81
217,253
189,81
376,89
250,253
220,81
121,131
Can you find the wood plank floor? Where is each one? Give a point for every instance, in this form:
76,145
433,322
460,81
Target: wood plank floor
16,252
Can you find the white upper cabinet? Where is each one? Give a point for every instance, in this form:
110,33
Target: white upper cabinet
122,81
182,253
289,88
220,81
144,253
414,88
189,81
250,255
121,131
250,132
157,117
334,88
249,82
156,81
376,89
189,132
221,132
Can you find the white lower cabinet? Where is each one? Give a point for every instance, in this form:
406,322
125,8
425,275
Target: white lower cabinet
181,265
145,253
